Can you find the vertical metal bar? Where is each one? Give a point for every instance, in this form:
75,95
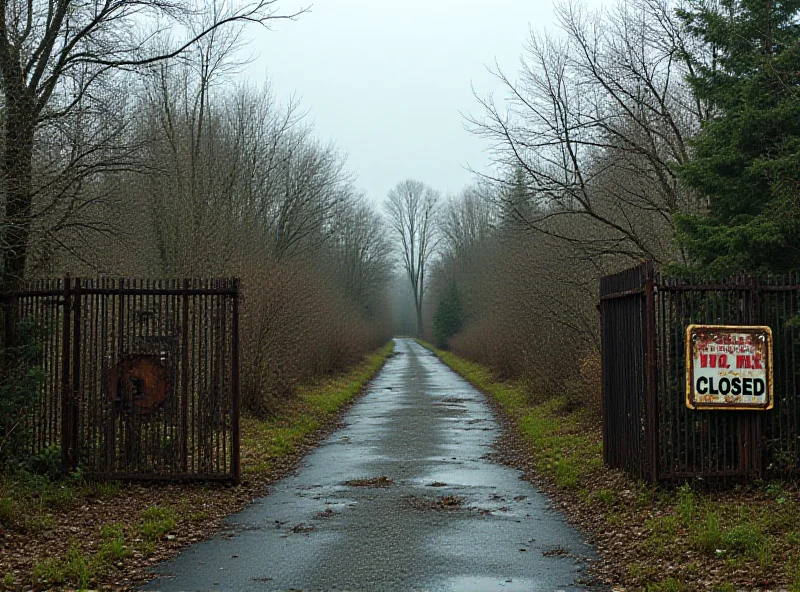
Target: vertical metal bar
185,377
755,419
119,431
74,408
235,393
193,340
651,396
66,383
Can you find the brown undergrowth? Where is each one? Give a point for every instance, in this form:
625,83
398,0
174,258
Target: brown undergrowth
72,534
656,539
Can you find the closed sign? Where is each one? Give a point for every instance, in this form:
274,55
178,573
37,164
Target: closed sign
728,367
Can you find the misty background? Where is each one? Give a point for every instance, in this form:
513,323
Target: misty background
389,81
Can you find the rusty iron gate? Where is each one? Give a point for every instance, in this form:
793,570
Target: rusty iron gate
647,429
141,377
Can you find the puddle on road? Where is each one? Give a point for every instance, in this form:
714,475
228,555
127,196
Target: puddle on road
487,584
468,477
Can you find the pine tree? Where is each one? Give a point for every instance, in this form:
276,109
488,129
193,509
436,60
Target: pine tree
747,157
447,319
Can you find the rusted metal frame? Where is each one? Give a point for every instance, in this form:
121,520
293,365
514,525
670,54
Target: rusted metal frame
66,383
201,291
75,377
755,420
235,387
185,376
651,387
83,340
623,294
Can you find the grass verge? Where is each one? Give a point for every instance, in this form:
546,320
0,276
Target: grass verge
681,538
71,533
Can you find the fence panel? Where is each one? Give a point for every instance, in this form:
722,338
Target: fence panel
779,308
701,443
38,315
142,376
670,441
627,423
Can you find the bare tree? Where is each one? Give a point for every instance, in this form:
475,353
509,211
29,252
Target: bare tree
57,57
413,208
467,220
598,120
361,254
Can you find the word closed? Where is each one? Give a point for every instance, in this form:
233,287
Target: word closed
728,367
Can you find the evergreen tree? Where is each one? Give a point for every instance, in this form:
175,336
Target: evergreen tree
747,157
447,319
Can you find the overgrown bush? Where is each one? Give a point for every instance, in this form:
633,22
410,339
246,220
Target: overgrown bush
296,328
21,379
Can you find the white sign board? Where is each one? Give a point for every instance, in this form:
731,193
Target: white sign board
728,367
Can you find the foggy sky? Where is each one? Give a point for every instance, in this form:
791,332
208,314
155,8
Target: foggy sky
386,79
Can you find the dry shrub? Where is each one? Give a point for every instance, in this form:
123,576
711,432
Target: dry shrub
294,329
530,315
591,381
482,343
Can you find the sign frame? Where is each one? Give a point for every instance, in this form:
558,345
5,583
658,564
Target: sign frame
694,404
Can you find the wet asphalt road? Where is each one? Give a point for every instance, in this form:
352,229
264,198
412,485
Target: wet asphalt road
419,424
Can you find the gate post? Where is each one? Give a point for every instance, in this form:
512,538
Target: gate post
651,371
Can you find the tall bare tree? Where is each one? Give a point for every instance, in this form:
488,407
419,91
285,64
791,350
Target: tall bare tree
413,208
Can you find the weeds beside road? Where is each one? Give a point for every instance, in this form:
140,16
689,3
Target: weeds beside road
72,533
656,539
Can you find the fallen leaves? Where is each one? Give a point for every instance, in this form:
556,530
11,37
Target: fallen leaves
445,502
382,481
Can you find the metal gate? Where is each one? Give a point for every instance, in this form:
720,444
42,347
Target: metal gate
647,429
141,376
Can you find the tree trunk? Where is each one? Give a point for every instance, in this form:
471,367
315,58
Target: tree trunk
16,174
16,171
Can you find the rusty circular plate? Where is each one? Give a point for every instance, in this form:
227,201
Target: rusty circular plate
139,384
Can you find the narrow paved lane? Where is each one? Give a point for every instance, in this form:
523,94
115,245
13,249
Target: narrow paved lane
451,518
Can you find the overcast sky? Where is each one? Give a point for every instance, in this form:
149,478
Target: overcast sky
387,79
